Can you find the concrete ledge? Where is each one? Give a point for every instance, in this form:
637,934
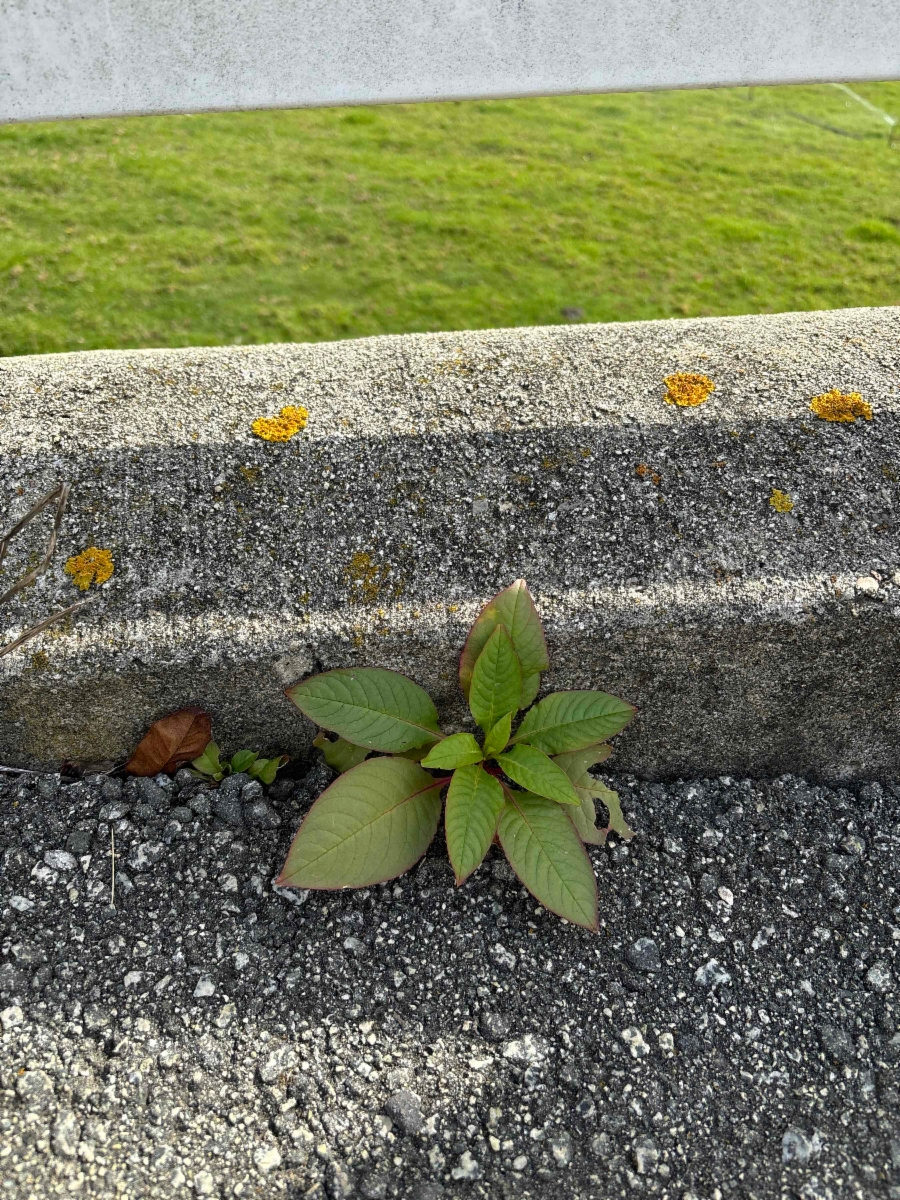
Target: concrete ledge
434,470
78,58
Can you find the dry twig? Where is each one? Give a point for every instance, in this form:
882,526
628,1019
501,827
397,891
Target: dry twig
61,495
41,625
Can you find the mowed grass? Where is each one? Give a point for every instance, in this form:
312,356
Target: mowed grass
321,224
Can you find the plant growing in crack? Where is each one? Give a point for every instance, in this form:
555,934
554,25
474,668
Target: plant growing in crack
528,788
210,765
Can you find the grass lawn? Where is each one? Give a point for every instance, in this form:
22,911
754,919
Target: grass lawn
333,223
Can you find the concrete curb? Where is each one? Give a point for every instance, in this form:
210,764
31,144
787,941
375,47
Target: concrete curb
433,471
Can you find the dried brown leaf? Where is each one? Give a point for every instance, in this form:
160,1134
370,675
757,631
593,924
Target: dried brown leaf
170,741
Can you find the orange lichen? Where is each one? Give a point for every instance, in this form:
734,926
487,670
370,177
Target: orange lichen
781,501
90,566
687,390
282,428
843,407
644,472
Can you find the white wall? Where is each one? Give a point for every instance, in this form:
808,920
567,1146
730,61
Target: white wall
68,58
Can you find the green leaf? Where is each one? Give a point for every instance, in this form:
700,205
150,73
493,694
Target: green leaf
243,760
458,750
576,763
496,738
548,856
534,771
531,685
265,769
617,822
416,754
474,801
568,721
208,763
372,824
369,706
340,754
584,818
496,681
587,788
515,609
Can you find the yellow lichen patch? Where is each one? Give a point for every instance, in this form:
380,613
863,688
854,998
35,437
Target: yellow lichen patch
282,428
645,472
843,407
687,390
366,577
90,566
781,501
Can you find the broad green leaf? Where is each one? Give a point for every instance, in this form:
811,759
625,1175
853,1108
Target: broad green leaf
208,763
515,609
534,771
531,685
587,788
496,681
369,706
496,738
548,856
340,754
265,769
458,750
584,818
416,754
577,762
568,721
243,760
372,824
474,801
617,822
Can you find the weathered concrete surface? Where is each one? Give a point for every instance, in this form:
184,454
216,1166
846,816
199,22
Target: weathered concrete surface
76,58
435,470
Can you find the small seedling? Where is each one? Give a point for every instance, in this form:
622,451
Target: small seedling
210,766
528,788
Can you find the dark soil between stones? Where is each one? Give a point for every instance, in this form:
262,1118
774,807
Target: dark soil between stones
731,1033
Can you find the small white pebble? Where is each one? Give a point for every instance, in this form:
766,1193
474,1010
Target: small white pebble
266,1160
633,1038
867,585
205,987
60,860
12,1016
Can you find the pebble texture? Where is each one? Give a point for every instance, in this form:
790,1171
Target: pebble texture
731,1033
435,470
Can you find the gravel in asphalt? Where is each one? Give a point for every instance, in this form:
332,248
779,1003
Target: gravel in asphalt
731,1033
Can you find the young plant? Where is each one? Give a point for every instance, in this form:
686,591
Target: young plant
210,766
528,788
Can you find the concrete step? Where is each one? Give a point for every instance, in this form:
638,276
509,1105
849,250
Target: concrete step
433,471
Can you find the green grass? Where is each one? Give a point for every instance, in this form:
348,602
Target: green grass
318,224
